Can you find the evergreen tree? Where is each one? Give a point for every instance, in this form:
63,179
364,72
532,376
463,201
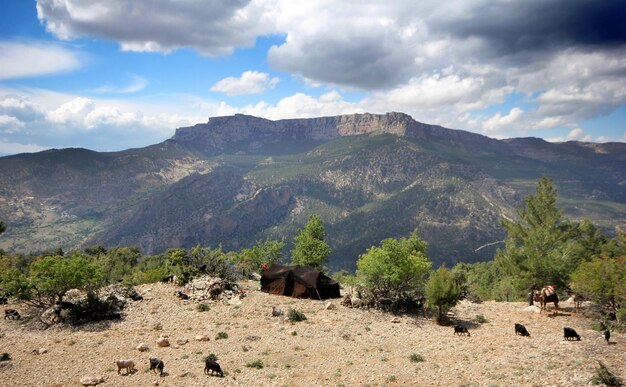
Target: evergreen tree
542,247
442,291
310,248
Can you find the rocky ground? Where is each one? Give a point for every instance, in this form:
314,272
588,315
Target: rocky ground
339,346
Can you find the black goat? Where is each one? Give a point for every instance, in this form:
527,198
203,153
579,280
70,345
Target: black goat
202,268
182,296
570,333
168,279
607,336
210,365
521,330
12,314
460,330
156,364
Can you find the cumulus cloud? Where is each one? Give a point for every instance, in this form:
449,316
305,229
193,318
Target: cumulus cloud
441,62
250,82
499,121
213,27
576,134
298,105
20,59
27,126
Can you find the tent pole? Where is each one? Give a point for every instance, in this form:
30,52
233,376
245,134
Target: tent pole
318,294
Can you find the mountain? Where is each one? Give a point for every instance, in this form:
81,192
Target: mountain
237,179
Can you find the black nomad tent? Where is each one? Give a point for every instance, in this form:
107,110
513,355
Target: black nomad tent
299,282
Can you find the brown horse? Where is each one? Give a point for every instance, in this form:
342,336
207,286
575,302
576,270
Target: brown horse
544,297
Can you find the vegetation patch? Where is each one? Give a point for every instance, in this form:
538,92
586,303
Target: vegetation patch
416,358
258,364
295,315
605,377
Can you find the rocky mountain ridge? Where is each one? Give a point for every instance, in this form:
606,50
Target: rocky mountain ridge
237,179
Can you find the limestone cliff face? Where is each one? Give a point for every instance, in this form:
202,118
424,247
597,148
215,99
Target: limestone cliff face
222,133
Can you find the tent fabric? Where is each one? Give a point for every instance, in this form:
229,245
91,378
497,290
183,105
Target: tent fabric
299,282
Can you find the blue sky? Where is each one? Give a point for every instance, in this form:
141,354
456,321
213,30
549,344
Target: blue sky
110,75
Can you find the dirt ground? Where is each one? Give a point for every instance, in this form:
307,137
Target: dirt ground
333,347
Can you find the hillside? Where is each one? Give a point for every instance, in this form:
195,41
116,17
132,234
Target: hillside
333,347
237,179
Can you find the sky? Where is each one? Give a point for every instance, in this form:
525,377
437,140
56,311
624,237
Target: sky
118,74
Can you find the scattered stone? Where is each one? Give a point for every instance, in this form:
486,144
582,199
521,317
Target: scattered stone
329,306
91,380
183,374
40,351
532,308
253,338
202,338
143,347
235,301
395,320
163,341
182,341
256,276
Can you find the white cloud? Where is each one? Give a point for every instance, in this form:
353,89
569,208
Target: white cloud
498,121
576,134
212,28
297,106
250,82
10,125
104,125
28,59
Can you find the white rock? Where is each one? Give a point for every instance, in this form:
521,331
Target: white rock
143,347
202,338
532,308
182,341
329,305
235,301
163,341
395,320
41,351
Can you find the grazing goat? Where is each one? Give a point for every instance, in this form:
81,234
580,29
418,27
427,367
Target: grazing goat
128,365
168,279
12,314
156,364
182,296
460,330
570,333
210,365
578,301
276,312
202,268
521,330
607,336
3,300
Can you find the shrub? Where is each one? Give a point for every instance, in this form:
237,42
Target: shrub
221,335
5,356
295,315
395,272
210,357
605,377
94,309
415,358
203,307
258,364
481,319
157,326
